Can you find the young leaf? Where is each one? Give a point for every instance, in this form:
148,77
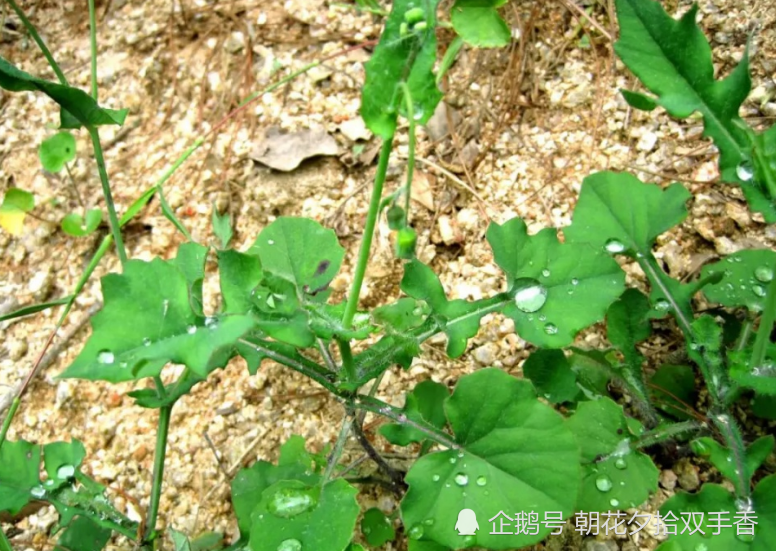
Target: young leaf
291,515
78,226
745,278
16,202
672,383
58,150
222,227
557,289
551,375
424,403
78,107
626,321
19,464
83,534
376,527
515,454
721,458
706,352
406,53
151,317
27,310
614,475
479,24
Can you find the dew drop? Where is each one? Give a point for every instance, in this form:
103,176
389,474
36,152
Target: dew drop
416,532
290,545
146,342
429,522
270,242
191,329
481,481
38,492
746,538
744,171
620,463
758,290
613,502
551,329
546,272
65,471
461,479
290,502
435,478
574,281
763,273
211,322
530,295
105,357
701,547
468,541
613,246
453,460
603,483
662,304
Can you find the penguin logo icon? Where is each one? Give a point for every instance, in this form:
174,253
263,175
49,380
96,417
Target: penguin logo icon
467,523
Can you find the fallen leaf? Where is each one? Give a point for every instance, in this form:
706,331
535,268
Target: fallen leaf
421,189
286,150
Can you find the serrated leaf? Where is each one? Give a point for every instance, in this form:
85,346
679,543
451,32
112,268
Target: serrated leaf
19,464
16,202
577,282
83,534
614,475
78,226
324,522
515,454
479,24
407,56
150,319
672,58
745,278
56,151
672,383
78,107
376,527
424,403
551,375
706,352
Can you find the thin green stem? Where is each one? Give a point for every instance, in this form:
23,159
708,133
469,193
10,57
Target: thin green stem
158,476
339,447
746,332
655,275
5,545
662,434
115,227
93,43
369,228
731,434
766,326
411,154
346,352
8,419
39,41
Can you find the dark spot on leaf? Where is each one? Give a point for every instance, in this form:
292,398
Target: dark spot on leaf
619,431
322,267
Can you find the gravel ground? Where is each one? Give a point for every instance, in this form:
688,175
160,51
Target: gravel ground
523,127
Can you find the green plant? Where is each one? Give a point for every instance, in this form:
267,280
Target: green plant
496,444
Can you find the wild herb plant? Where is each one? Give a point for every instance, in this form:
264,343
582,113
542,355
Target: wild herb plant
498,444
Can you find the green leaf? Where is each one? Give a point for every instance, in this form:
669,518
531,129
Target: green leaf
594,370
58,150
515,454
557,289
179,540
614,475
721,457
83,534
406,53
19,464
78,226
376,527
745,277
249,484
402,315
34,308
672,382
301,251
151,318
63,459
78,107
16,202
673,60
706,352
222,227
240,274
714,498
294,516
551,375
764,407
479,24
417,545
424,403
639,101
207,541
626,321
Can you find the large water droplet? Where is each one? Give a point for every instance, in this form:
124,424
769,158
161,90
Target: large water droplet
603,483
38,492
613,502
551,329
481,481
461,479
65,471
105,357
191,329
416,532
745,171
758,290
530,295
662,304
574,281
146,341
435,478
289,502
763,273
620,463
546,272
290,545
746,538
614,246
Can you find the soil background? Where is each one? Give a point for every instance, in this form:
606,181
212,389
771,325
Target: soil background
520,129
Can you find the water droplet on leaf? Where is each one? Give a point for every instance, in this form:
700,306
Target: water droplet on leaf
614,246
38,492
416,532
744,171
613,502
551,329
429,522
65,471
146,342
435,478
662,304
105,357
603,483
481,481
546,272
289,502
763,273
530,295
461,479
758,290
574,281
191,329
620,463
290,545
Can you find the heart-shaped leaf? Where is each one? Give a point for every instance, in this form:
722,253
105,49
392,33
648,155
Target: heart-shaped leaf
79,226
58,150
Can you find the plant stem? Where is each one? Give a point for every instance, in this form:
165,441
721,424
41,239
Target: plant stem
158,476
93,42
732,436
8,419
115,227
369,228
661,434
766,325
411,154
339,446
5,545
397,480
39,41
346,353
